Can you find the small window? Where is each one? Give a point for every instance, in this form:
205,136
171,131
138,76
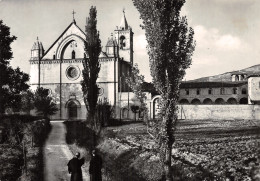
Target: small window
54,57
198,91
187,91
244,91
210,91
73,54
236,78
222,91
234,90
122,42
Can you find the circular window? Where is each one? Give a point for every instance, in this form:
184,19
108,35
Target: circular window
73,72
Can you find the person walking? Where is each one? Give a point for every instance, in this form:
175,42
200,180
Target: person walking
74,167
95,167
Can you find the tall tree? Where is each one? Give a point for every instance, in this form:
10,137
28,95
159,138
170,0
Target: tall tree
170,48
44,103
91,68
12,81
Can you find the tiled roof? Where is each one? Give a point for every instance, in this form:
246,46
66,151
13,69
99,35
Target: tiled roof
111,42
186,85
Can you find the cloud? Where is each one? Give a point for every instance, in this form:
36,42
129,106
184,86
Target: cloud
212,39
229,42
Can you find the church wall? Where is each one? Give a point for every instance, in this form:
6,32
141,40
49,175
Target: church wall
65,68
34,73
106,73
50,73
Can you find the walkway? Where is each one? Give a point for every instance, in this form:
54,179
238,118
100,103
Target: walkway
57,154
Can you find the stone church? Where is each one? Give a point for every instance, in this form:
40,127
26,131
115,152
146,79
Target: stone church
59,68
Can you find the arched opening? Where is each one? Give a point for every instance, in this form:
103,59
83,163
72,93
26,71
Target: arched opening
187,91
222,91
67,45
232,101
156,108
125,113
198,91
72,106
244,91
242,77
243,101
184,101
219,101
207,101
236,78
122,42
195,101
210,91
234,90
73,54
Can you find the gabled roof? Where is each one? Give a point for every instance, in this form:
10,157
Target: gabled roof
74,22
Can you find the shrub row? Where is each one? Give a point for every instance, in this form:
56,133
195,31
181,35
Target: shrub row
22,140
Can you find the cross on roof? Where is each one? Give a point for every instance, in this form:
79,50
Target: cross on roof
73,12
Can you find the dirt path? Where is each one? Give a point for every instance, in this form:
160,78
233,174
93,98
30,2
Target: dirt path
57,154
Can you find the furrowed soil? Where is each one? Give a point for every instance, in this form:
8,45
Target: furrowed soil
204,149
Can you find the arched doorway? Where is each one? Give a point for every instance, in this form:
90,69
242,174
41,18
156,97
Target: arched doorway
72,108
243,101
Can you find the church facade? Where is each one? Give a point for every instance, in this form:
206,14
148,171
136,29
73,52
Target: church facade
59,69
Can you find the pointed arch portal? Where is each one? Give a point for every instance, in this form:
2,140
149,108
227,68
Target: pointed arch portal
72,108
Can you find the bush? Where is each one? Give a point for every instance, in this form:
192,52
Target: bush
104,112
19,131
11,161
80,134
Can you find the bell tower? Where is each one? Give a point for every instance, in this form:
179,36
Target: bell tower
124,38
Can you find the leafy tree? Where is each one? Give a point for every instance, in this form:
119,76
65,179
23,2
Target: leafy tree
44,103
135,82
27,101
91,68
170,48
12,81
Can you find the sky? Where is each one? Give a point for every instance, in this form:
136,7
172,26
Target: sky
226,31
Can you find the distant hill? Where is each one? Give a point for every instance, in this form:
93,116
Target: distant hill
227,76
